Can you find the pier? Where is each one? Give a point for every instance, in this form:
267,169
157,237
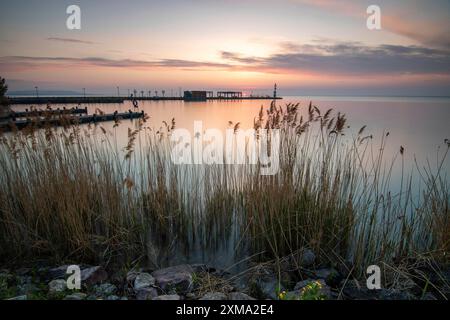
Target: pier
86,100
42,113
63,120
64,100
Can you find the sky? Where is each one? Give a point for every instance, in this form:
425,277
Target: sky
308,47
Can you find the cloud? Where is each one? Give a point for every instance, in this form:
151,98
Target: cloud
339,58
426,31
349,58
70,40
24,62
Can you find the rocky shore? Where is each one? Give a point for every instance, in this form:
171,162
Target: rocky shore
294,278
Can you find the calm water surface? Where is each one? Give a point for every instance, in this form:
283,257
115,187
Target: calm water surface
420,125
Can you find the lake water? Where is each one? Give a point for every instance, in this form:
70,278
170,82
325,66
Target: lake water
420,125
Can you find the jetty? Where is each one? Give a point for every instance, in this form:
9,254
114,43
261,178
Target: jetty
67,119
188,96
42,113
64,100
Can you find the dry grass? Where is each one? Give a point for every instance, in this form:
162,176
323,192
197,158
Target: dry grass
72,193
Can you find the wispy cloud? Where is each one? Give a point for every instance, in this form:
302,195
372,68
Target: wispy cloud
339,58
70,40
423,30
349,58
23,62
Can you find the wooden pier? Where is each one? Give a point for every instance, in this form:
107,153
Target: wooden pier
64,120
64,100
81,100
42,113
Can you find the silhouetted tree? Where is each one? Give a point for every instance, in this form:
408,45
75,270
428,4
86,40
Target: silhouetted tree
3,89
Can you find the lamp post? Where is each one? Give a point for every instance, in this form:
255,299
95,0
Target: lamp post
37,91
84,93
118,92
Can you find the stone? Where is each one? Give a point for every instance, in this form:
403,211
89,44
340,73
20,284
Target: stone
325,290
190,296
147,293
330,275
57,273
214,296
58,285
409,285
105,289
429,296
25,285
131,276
112,298
23,297
176,279
23,271
143,280
76,296
239,296
93,275
303,258
355,291
5,280
269,287
168,297
392,294
200,267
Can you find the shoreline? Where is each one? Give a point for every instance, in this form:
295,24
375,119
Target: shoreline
300,278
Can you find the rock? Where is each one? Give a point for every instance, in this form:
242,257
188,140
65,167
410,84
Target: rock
355,291
325,290
269,287
429,296
112,298
58,285
407,284
330,275
5,280
264,284
105,289
392,294
200,267
175,279
148,293
240,296
57,273
303,258
25,285
93,275
214,296
143,280
23,297
131,276
76,296
345,268
168,297
190,296
23,271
